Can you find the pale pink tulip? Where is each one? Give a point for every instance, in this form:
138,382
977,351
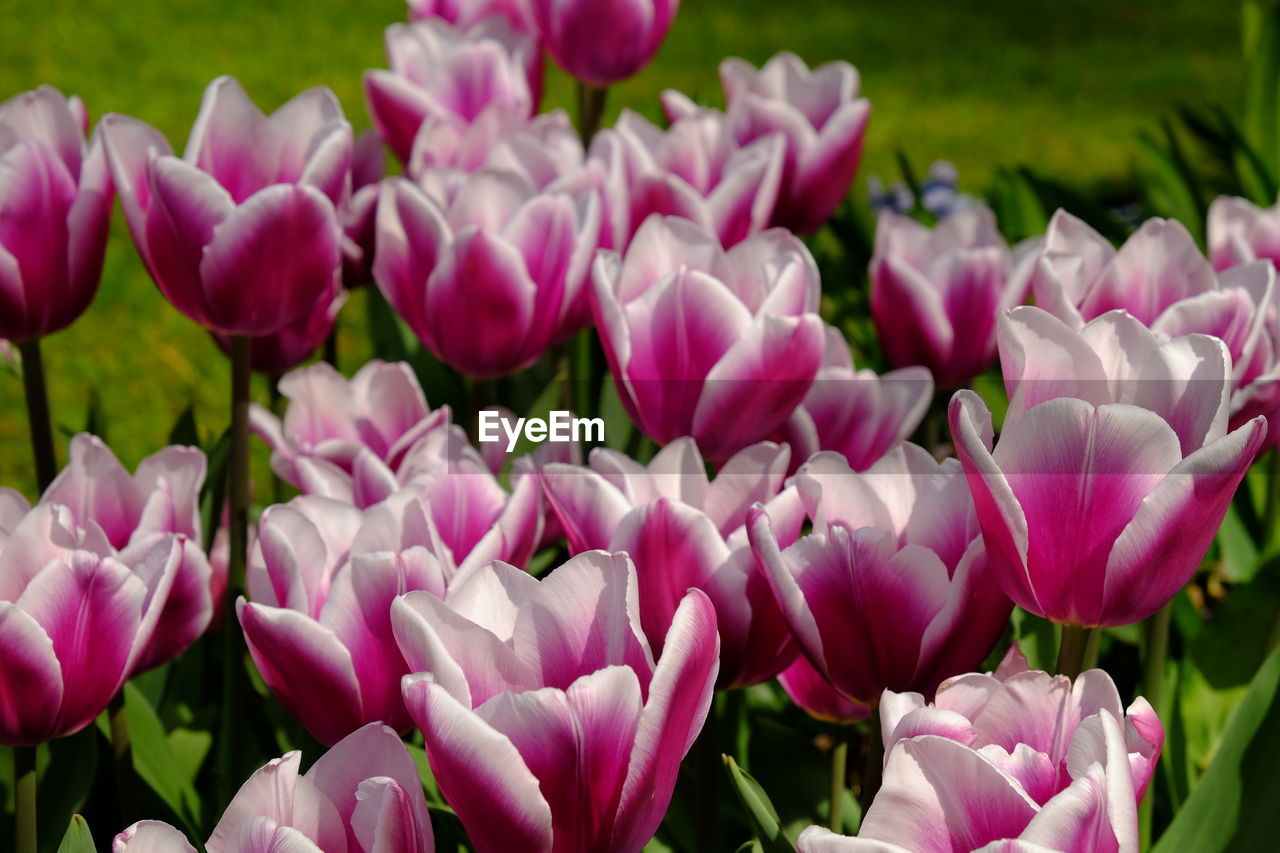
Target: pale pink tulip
1240,232
466,13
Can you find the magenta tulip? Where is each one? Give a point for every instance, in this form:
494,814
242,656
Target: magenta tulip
1093,515
490,276
1240,232
362,796
290,346
547,724
601,42
359,218
714,344
442,75
693,170
893,589
813,694
55,205
820,115
936,294
1015,761
329,421
683,533
75,621
856,413
1116,359
135,514
468,13
241,234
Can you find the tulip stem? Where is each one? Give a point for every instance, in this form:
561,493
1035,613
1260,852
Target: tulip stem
839,778
122,749
1071,650
874,772
1156,637
238,482
590,110
24,798
37,395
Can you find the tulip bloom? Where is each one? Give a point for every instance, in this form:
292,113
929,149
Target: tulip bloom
135,513
617,505
813,694
359,218
822,118
362,796
1019,760
330,420
322,576
491,276
55,194
1093,515
442,75
856,413
1240,232
75,621
714,344
1116,359
547,723
693,170
241,234
936,294
602,42
893,588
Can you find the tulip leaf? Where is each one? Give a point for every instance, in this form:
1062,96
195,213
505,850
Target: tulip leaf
66,781
758,809
157,764
184,430
618,427
78,838
1233,807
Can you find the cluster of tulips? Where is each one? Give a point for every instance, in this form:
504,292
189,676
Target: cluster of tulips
871,577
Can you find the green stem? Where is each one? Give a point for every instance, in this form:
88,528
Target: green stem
871,776
590,110
1071,650
238,469
839,779
277,408
1156,642
122,749
37,394
24,799
1091,648
1271,511
1274,639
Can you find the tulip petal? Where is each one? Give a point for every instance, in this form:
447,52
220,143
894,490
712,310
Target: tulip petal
30,679
151,836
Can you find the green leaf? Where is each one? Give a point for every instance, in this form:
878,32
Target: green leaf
1037,638
758,809
78,838
1240,559
168,773
1233,807
618,427
1262,85
95,420
184,429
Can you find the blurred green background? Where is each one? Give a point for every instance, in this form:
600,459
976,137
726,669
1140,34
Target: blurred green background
1063,87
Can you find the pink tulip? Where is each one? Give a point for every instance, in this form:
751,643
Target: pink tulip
936,294
55,198
362,796
822,118
75,620
491,275
547,724
329,421
1093,515
241,234
1015,761
135,513
322,576
285,349
693,170
893,589
468,13
1116,359
452,76
856,413
683,533
1240,232
1158,276
714,344
601,42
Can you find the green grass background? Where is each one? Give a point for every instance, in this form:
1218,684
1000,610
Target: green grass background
1065,87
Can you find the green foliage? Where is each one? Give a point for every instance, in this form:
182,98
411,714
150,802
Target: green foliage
78,838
